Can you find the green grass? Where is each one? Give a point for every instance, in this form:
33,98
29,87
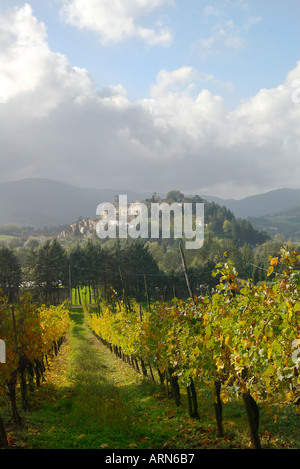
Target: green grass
91,399
84,295
6,237
100,403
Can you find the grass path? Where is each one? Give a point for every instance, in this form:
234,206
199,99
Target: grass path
92,400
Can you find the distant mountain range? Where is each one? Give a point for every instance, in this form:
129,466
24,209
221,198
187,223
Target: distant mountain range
274,212
259,205
43,202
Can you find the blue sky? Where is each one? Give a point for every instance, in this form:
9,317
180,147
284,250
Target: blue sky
159,78
267,50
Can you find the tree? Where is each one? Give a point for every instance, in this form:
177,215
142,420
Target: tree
247,259
94,263
76,232
77,265
136,263
10,274
227,227
50,270
175,195
154,199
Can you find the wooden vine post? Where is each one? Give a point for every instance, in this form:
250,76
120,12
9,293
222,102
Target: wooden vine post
218,409
126,299
252,411
3,437
187,278
147,294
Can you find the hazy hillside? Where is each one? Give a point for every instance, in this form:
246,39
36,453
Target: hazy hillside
286,223
270,203
42,202
275,212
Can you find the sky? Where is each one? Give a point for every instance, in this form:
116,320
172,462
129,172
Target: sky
152,95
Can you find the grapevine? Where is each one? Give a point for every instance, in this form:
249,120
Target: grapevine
241,341
32,335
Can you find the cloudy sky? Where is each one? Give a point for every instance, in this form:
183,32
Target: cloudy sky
152,95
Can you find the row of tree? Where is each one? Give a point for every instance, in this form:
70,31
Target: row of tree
134,269
219,220
50,270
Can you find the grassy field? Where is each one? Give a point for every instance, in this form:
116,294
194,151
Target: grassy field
84,296
6,237
92,400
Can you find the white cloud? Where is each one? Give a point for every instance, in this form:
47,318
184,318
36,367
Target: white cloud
56,124
210,10
252,20
226,34
186,80
178,101
117,20
31,75
17,60
254,146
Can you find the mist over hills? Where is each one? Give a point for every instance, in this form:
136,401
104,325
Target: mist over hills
269,203
43,202
274,212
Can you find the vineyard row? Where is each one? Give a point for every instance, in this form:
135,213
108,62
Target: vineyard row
243,341
32,335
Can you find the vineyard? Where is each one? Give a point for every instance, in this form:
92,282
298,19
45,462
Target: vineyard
33,335
242,342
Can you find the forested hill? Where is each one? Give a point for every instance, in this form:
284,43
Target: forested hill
219,221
